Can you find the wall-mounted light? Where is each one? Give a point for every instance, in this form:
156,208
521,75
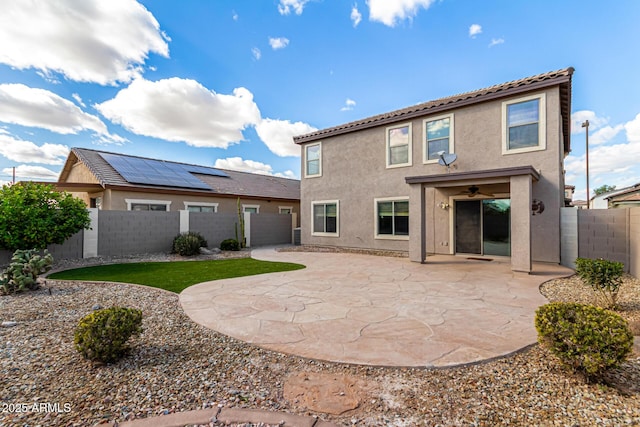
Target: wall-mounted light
443,205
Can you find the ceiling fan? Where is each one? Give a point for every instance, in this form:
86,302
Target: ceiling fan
474,190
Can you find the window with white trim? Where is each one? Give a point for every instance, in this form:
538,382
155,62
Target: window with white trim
313,160
147,205
392,218
524,125
285,209
325,218
201,207
398,146
251,208
438,135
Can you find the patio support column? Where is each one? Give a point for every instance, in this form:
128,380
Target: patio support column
521,223
417,241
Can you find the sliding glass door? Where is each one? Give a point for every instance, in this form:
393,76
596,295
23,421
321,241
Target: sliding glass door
483,227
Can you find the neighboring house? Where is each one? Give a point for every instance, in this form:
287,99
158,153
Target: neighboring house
569,190
377,183
626,198
112,181
619,198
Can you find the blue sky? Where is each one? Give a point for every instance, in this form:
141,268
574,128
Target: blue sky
228,83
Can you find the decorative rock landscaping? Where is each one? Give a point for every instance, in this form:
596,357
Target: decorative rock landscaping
177,365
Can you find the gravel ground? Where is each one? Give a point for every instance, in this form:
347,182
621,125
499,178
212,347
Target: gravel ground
177,365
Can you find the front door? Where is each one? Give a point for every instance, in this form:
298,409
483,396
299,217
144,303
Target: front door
483,227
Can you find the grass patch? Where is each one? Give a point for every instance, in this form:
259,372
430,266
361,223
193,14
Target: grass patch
174,276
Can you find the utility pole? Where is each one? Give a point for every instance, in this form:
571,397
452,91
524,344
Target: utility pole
13,181
586,125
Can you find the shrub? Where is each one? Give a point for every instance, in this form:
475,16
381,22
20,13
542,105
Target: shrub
23,271
603,276
230,245
188,244
103,334
586,339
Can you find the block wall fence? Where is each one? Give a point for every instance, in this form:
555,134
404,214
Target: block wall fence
612,234
115,233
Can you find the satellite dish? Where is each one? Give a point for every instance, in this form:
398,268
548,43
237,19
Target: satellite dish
446,159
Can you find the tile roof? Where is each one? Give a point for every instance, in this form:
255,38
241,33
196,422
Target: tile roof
236,184
560,77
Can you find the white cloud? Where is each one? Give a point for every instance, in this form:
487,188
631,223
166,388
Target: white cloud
600,132
286,6
78,99
90,40
27,152
633,130
390,12
474,30
178,109
239,164
256,53
356,16
234,15
579,117
348,105
611,164
32,172
495,42
278,42
26,106
278,135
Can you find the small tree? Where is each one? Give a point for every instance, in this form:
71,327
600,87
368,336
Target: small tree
603,189
33,216
604,277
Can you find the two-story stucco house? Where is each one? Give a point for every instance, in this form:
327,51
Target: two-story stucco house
379,183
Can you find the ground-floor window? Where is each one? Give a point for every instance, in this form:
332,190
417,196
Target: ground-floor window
251,209
392,218
147,205
325,218
201,207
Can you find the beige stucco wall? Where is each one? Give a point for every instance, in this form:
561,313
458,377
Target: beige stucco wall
354,172
117,200
79,173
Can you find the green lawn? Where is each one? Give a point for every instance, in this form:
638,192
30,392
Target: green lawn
175,276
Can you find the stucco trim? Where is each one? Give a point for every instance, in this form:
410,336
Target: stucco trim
471,175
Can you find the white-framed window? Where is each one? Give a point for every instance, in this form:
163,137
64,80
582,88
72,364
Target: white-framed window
147,205
438,136
313,160
251,208
285,209
524,124
398,145
201,206
392,218
325,218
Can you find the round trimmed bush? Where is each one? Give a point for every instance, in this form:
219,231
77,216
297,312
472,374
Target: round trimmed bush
230,245
188,244
103,334
586,339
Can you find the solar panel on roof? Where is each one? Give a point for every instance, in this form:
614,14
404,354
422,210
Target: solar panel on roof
157,172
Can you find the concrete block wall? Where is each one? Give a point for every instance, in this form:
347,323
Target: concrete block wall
271,229
131,232
214,227
634,242
603,233
71,249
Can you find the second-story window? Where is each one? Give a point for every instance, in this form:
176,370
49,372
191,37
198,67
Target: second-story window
524,124
399,146
438,137
313,160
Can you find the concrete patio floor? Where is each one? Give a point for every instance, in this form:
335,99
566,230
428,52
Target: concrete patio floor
375,310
